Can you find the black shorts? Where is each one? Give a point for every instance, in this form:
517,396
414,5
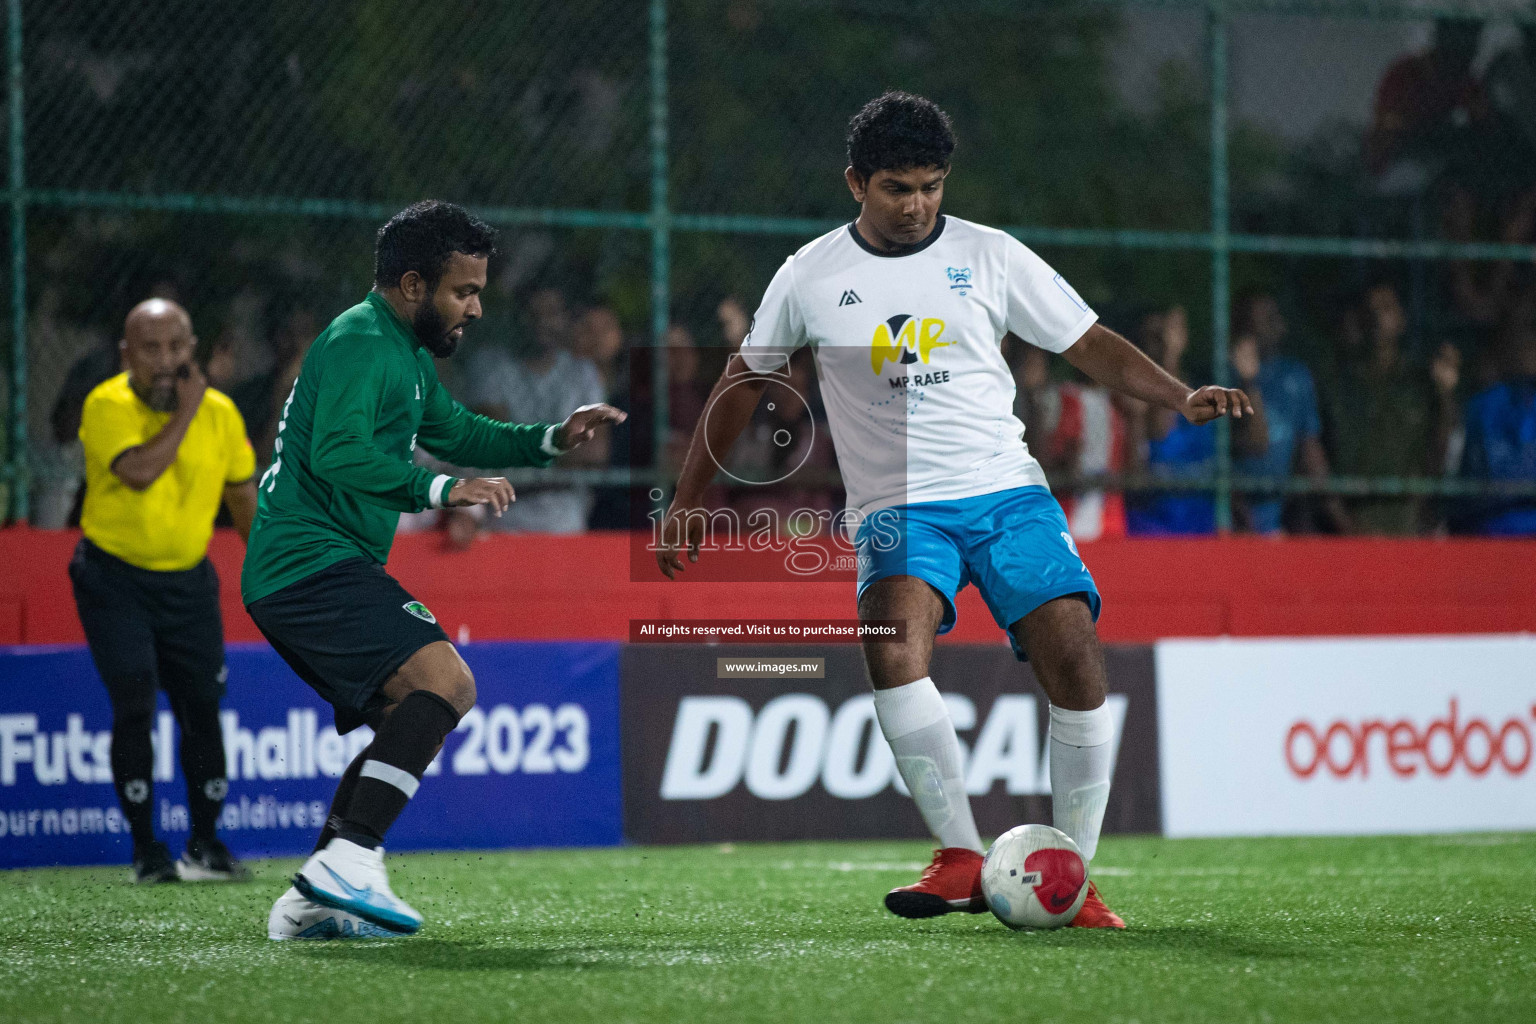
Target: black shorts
150,630
345,630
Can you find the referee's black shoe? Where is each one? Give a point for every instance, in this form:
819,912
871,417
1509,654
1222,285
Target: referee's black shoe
209,860
152,863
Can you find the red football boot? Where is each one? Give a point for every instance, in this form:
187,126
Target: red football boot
1094,914
952,882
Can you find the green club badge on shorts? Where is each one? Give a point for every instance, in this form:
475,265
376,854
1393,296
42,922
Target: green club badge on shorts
419,610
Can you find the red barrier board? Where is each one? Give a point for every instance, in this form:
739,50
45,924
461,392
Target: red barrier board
532,586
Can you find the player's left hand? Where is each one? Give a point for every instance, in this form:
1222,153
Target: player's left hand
581,426
1211,403
680,530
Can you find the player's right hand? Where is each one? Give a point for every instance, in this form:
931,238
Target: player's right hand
673,539
191,385
491,491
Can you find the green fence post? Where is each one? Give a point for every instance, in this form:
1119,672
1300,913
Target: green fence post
18,184
1221,262
661,228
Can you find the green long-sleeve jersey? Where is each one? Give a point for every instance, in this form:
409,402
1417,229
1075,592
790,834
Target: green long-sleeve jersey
341,471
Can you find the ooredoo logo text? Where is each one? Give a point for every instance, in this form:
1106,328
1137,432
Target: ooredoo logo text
1476,745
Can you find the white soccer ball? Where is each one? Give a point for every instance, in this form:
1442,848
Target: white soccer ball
1034,877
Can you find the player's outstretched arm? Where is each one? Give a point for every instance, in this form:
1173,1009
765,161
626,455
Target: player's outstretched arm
582,425
463,438
456,435
342,450
1114,362
726,414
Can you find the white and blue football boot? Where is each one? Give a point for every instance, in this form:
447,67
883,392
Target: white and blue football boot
294,917
348,877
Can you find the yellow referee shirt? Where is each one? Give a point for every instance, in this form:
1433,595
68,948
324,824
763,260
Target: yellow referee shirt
165,527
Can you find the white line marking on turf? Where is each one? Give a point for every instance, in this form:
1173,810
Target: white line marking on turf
1231,872
850,865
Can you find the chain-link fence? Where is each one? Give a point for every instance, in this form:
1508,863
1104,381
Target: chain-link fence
660,159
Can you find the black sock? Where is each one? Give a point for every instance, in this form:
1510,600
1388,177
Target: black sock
133,767
343,797
202,762
398,757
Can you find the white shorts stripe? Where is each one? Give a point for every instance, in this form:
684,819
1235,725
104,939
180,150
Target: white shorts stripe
402,780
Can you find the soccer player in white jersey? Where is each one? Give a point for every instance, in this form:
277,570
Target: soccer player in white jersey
905,310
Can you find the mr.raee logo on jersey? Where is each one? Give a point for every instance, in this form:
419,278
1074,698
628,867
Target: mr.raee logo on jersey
906,339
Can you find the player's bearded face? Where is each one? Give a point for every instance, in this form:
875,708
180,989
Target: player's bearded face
434,331
444,312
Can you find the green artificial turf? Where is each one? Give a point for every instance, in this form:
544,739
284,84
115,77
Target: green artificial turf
1383,929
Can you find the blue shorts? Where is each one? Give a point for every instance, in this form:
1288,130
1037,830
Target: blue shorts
1014,545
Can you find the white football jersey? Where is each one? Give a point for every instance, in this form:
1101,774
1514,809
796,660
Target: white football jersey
908,349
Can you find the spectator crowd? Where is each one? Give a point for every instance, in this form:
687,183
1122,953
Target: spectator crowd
1374,410
1362,383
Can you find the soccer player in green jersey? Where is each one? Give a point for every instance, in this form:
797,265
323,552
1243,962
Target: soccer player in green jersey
314,579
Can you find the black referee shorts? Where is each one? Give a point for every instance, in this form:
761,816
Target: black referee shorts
345,630
150,629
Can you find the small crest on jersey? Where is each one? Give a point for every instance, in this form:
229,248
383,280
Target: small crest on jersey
850,297
959,278
419,610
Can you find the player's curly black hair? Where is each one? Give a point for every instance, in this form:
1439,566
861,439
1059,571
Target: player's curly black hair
422,237
896,131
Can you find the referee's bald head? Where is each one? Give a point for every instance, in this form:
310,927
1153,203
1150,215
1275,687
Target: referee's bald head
156,315
157,346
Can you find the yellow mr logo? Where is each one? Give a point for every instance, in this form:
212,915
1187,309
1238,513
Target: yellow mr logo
905,339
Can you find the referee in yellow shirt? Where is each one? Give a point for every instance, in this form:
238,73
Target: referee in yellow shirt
161,450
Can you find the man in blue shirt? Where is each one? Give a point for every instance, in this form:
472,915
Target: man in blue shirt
1176,451
1293,426
1501,441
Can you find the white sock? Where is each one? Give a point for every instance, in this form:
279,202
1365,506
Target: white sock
1082,758
916,723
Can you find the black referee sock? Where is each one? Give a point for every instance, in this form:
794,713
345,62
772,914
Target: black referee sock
133,765
202,762
398,757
